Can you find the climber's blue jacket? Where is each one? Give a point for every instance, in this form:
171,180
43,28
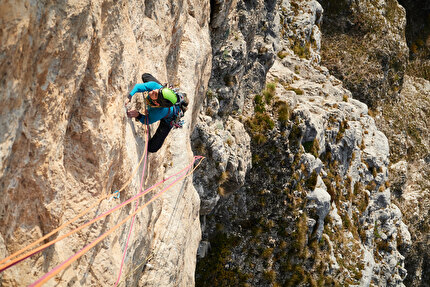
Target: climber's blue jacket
154,114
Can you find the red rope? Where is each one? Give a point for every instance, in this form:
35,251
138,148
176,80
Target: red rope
84,250
137,200
46,245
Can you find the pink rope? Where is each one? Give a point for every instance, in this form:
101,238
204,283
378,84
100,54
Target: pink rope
113,209
74,257
137,202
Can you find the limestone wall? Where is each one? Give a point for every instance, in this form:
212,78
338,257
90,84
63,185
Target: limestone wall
66,68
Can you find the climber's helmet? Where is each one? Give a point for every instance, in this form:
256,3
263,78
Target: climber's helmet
163,97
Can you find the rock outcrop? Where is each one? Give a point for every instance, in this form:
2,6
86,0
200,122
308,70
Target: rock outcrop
315,207
65,141
297,184
406,125
402,114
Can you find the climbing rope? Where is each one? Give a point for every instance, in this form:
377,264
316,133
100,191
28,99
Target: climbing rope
144,262
4,265
157,248
83,251
40,248
77,255
137,200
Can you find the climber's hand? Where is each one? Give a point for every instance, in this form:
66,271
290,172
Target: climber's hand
127,101
132,114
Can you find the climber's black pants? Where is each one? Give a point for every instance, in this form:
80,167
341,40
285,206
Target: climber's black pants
158,138
149,78
163,129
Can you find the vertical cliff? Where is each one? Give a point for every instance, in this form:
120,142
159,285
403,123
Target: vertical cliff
298,182
66,68
308,203
401,114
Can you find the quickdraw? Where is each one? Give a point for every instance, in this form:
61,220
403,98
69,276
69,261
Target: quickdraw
177,122
115,196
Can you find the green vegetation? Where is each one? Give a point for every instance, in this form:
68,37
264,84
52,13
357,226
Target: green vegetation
296,90
282,54
353,60
229,80
376,232
382,245
295,135
259,125
259,106
267,253
360,197
212,271
262,122
312,181
295,7
301,50
282,244
345,98
226,54
414,132
419,68
270,275
269,92
343,126
210,94
299,236
283,112
312,147
221,180
200,148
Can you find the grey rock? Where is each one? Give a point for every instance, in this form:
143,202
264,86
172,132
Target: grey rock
203,249
320,200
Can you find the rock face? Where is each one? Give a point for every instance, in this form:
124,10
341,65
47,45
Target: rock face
315,207
406,125
297,182
229,148
364,45
401,114
65,141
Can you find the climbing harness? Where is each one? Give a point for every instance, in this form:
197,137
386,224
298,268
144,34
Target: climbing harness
170,95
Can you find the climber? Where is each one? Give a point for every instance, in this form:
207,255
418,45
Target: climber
164,105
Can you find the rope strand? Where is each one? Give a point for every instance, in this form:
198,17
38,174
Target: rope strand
137,200
77,255
40,248
19,252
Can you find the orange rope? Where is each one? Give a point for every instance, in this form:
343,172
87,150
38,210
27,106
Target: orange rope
137,200
22,257
67,223
95,242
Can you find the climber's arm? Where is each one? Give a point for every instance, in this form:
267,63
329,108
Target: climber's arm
154,115
144,87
